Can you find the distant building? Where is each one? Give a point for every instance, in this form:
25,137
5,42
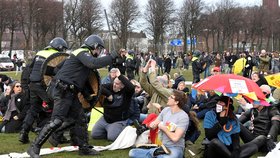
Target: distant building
271,4
49,11
138,41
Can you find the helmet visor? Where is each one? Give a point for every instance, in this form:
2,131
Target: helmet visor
99,51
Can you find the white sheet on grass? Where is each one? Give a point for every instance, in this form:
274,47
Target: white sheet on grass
125,140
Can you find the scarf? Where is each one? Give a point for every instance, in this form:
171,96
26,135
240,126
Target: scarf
11,107
225,137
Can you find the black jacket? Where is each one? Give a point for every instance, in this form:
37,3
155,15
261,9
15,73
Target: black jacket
120,64
22,105
263,122
177,81
76,68
117,109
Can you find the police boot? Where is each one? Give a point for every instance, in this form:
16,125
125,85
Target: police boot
87,150
161,150
34,149
57,137
23,136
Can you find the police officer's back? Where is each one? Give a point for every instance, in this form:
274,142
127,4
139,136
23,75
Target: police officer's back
37,88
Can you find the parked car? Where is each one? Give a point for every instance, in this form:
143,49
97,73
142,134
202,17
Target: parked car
6,64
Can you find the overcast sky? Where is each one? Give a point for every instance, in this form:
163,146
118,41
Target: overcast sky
106,3
140,25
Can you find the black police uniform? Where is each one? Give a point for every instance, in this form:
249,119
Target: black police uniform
120,64
37,92
130,66
248,66
70,80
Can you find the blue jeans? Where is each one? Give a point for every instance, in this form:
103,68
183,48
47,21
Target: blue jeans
110,131
201,114
176,152
207,72
142,117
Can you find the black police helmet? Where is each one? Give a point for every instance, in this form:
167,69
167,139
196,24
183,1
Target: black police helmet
93,42
196,53
130,52
58,43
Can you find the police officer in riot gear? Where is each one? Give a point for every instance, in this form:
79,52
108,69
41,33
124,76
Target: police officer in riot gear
37,88
70,80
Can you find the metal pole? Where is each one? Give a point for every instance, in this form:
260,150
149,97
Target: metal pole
111,38
32,39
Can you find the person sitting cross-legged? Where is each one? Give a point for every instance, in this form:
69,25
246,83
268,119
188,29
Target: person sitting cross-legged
116,106
172,123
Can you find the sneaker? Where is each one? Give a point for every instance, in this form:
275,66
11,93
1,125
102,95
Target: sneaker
161,151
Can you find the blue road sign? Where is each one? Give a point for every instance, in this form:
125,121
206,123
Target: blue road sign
176,42
189,41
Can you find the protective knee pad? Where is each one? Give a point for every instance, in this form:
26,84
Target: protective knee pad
56,123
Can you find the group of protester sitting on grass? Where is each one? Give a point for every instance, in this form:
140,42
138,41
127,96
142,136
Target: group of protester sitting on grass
170,112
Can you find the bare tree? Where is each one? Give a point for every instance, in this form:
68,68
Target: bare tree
184,19
189,18
90,17
122,15
28,11
158,15
209,26
72,21
82,18
3,20
12,21
226,22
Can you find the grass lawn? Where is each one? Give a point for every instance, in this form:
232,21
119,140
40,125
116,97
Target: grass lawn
9,142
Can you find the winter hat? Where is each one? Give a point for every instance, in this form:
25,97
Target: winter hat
4,78
225,100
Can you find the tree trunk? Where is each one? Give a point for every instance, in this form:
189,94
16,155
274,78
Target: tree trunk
185,38
213,37
12,42
237,41
207,42
267,44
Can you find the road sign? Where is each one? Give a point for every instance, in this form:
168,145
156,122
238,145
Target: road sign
193,41
176,42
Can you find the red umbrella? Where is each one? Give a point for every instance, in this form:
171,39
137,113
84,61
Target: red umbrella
230,84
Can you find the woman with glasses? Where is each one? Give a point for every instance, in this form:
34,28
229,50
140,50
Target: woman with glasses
17,107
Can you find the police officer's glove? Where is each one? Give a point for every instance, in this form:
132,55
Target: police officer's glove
114,55
223,120
270,145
